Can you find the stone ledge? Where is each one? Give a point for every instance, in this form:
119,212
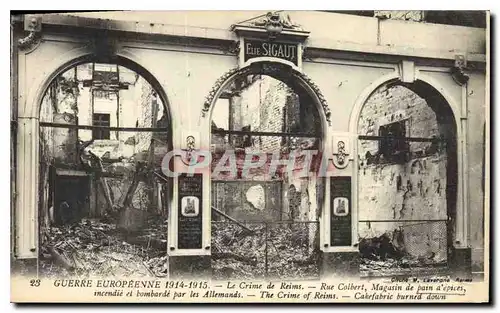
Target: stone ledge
391,44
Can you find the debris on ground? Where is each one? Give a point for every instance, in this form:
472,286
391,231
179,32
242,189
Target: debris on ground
95,248
241,254
383,256
158,265
403,267
380,248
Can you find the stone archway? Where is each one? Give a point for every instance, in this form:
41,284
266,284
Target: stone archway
268,68
261,194
28,147
425,119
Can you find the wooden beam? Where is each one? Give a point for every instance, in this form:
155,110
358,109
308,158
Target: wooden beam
411,139
65,172
231,219
264,134
91,127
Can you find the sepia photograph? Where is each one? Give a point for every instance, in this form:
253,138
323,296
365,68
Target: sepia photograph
240,156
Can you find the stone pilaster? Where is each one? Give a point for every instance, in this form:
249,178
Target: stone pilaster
26,218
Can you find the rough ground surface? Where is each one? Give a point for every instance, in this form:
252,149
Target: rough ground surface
381,256
241,254
96,248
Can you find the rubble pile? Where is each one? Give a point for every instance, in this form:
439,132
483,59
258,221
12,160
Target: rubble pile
383,256
158,265
380,248
155,235
93,248
236,251
241,254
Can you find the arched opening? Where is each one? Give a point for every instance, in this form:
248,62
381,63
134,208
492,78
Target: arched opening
266,143
104,128
407,180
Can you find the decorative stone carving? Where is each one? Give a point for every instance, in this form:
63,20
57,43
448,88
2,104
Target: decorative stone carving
306,54
457,71
271,69
341,153
275,22
190,147
218,84
232,48
341,148
31,42
272,25
415,16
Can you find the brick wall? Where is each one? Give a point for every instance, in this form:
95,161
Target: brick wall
64,105
273,99
60,106
414,189
145,116
262,107
249,201
267,104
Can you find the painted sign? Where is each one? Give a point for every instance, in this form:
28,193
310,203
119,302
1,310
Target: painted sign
190,213
340,216
271,48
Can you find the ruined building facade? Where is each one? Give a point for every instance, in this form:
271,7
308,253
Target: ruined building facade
402,122
93,169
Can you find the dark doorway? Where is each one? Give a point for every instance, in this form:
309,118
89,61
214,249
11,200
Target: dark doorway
71,199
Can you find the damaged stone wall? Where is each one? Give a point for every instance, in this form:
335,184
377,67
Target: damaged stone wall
260,106
300,198
273,96
266,104
71,99
249,201
60,105
130,107
145,117
412,189
46,157
57,145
